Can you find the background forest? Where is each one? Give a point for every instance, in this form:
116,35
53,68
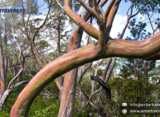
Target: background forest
32,39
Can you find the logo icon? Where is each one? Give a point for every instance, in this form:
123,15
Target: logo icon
124,104
124,111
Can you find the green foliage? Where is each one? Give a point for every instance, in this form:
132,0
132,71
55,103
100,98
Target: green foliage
52,55
129,91
46,103
12,96
44,107
84,112
126,89
137,30
42,44
100,72
76,5
132,90
86,86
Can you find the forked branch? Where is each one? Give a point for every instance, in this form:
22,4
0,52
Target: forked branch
79,21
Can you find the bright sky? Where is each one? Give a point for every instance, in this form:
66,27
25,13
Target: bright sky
43,6
119,21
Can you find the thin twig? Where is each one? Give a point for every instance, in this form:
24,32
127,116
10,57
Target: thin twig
59,4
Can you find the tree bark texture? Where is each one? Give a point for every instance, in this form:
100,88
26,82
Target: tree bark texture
75,58
2,70
70,78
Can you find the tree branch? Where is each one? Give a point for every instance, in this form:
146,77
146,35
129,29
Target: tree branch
106,69
102,83
79,21
80,79
112,14
40,26
90,98
108,10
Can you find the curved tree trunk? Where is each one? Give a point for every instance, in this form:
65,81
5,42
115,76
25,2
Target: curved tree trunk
75,58
59,66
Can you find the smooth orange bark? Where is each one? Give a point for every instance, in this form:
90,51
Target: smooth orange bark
2,87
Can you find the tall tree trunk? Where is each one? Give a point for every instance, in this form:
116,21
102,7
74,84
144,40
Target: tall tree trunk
68,94
70,78
69,85
146,72
5,52
2,61
93,82
20,75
